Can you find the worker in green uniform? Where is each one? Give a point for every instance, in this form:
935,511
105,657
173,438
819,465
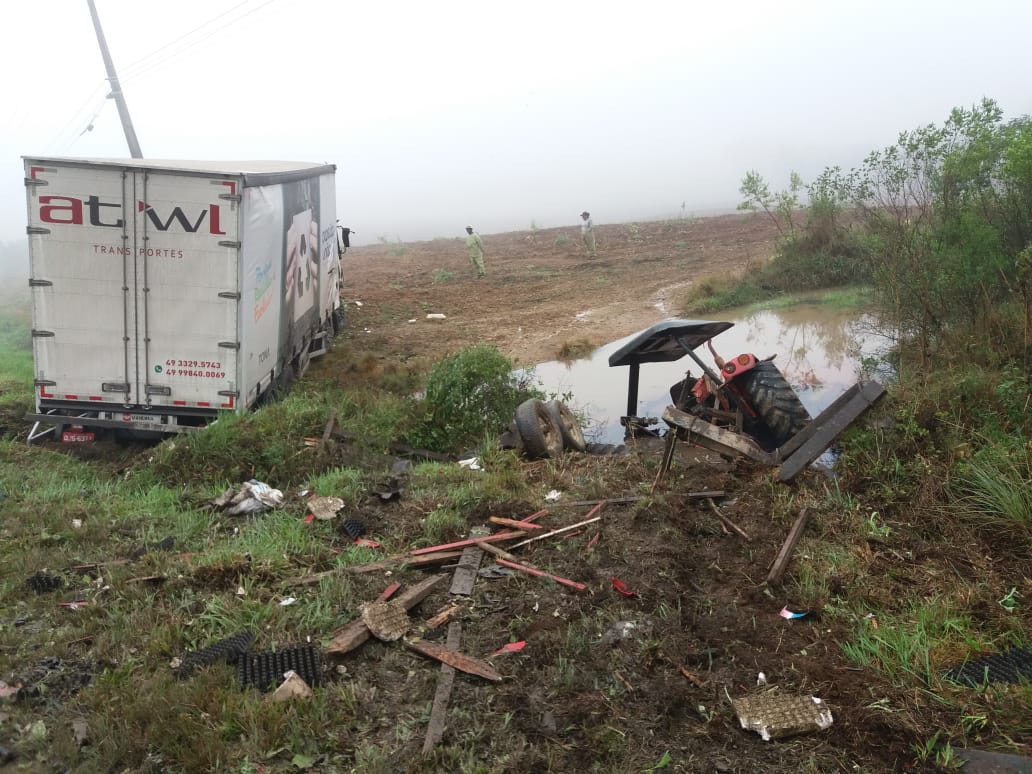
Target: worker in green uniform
587,230
476,251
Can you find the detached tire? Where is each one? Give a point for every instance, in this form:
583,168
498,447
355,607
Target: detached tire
780,411
569,429
539,431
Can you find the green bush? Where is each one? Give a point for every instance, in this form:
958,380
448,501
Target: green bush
469,394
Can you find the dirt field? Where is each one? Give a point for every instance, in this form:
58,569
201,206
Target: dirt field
541,290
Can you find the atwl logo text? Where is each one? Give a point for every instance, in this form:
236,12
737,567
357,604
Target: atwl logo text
70,211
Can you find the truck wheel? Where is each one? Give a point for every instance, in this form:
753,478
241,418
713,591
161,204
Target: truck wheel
338,319
284,382
569,429
780,410
540,433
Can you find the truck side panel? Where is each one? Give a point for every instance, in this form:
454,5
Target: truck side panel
261,303
329,269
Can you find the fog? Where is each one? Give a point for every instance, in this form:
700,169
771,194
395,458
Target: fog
438,115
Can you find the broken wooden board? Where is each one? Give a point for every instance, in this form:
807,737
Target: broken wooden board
435,728
777,570
466,573
399,561
356,632
460,661
716,438
827,427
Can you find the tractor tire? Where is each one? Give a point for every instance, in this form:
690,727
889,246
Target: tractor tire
781,412
569,429
539,431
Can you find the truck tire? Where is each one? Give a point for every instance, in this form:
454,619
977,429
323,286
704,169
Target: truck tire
569,429
781,412
283,383
338,320
539,431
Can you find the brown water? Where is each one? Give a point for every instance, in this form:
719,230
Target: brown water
819,350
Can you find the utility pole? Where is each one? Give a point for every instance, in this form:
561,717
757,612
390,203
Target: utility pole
116,89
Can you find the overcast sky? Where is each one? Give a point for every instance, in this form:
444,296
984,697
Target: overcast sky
499,115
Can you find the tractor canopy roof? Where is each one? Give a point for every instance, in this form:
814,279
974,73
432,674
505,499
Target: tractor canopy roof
667,341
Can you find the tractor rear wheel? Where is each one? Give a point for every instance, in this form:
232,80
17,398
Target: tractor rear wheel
780,411
539,431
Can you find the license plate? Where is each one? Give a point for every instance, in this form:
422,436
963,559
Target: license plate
77,436
140,418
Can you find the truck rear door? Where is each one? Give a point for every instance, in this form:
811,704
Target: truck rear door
81,277
187,297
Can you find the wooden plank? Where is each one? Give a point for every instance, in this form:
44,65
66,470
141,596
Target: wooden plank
797,440
460,661
716,438
727,522
563,529
830,430
328,430
435,728
777,570
399,561
466,573
542,574
356,632
581,503
513,523
497,551
498,536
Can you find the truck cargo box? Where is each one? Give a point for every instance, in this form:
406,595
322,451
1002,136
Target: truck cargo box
165,292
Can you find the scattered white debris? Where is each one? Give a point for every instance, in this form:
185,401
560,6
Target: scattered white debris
287,601
292,687
436,316
473,463
553,496
761,679
412,320
241,591
358,303
76,523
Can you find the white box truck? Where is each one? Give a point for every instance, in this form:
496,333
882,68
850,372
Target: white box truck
166,292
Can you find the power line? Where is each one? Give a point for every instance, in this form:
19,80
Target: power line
177,52
92,99
128,68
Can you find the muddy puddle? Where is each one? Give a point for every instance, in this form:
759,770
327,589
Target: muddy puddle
820,350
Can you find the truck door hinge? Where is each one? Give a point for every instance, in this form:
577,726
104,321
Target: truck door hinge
35,283
44,383
228,243
41,334
230,393
229,344
231,197
114,386
229,294
36,230
157,389
30,182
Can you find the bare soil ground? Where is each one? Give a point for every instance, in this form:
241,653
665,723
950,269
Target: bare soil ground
541,290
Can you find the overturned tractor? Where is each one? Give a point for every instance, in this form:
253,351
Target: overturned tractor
744,407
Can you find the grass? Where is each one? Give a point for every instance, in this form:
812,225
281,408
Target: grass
880,541
575,349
